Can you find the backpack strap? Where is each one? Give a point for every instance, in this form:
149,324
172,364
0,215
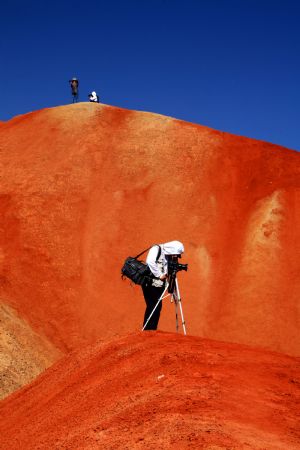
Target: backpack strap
158,254
140,254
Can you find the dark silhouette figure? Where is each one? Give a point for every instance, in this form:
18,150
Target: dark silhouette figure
74,83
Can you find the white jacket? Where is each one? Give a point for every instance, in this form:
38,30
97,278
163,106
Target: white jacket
93,97
160,267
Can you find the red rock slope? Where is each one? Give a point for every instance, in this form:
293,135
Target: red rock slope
86,185
158,391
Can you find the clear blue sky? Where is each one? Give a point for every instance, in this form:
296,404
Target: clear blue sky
233,65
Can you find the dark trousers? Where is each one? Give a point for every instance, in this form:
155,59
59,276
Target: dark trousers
152,295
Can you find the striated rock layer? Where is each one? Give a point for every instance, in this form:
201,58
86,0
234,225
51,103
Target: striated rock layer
87,185
158,391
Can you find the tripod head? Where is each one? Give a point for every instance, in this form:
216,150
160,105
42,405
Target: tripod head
173,268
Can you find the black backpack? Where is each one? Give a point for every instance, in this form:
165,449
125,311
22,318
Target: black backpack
138,271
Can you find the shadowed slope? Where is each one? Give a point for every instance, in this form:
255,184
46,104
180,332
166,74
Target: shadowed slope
158,391
86,185
23,353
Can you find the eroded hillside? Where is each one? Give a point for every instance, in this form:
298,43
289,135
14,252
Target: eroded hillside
24,354
87,185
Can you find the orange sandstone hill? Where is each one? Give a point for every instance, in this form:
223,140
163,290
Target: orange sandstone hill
87,185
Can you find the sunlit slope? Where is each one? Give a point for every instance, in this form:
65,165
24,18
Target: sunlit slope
158,391
87,185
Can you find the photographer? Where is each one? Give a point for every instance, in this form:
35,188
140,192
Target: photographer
157,261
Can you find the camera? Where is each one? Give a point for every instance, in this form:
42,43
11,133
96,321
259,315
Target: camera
173,267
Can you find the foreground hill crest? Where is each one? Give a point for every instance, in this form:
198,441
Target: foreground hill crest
158,390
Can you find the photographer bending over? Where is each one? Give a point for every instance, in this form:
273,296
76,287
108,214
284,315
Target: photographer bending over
157,261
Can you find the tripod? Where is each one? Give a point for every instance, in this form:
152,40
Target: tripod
175,297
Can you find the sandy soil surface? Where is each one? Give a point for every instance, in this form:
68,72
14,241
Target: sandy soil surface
156,390
87,185
23,353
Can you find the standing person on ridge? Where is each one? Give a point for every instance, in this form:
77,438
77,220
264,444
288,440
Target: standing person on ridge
158,265
74,83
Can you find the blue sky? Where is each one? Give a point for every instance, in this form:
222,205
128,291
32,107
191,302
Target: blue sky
233,65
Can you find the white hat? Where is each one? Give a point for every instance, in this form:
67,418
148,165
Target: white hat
173,248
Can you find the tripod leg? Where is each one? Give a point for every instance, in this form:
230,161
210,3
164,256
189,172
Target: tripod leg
178,299
182,318
159,300
176,313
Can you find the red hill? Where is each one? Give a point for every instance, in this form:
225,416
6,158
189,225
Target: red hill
158,391
87,185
